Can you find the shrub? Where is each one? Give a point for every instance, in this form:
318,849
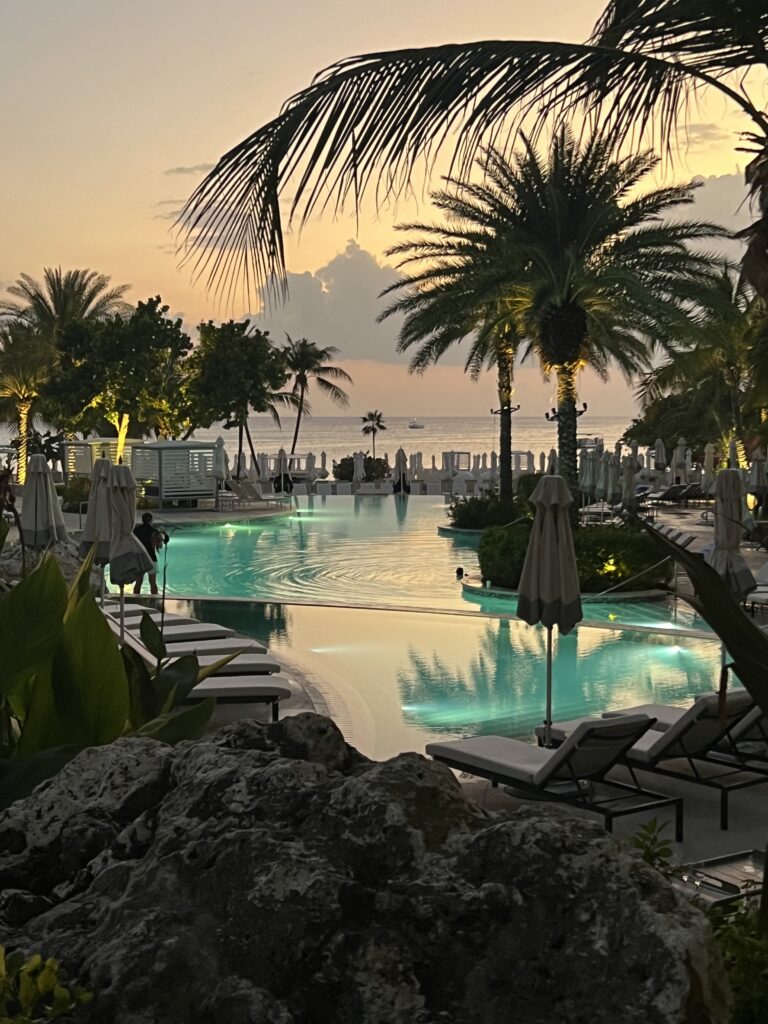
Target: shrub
524,488
75,493
606,556
744,946
375,469
33,989
481,512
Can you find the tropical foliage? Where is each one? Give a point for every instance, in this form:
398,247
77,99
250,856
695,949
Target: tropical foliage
607,556
122,370
307,362
720,361
34,990
557,256
477,513
63,298
26,363
66,684
365,123
373,422
234,370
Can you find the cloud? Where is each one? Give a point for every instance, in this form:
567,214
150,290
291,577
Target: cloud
168,214
338,305
722,198
702,134
192,169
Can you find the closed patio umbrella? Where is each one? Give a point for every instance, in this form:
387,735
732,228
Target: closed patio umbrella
552,462
128,558
542,462
282,482
98,526
708,478
220,466
628,493
678,462
659,456
401,483
724,555
758,481
548,591
358,467
614,480
601,487
42,521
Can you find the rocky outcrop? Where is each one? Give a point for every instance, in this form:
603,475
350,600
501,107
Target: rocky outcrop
272,875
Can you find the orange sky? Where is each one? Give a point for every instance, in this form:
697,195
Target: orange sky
112,111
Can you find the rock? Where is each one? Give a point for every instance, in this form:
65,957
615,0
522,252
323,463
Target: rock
272,874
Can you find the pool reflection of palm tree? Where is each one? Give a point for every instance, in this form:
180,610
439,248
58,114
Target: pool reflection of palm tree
265,622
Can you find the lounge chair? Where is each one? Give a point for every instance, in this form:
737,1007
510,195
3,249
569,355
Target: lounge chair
206,645
574,773
669,495
133,614
247,679
249,493
173,633
693,740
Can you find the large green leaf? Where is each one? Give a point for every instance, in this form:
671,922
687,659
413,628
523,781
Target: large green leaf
41,727
151,637
81,584
19,778
176,679
90,686
185,724
140,690
31,617
746,643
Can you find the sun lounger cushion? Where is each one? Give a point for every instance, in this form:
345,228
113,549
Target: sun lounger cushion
225,646
172,632
245,688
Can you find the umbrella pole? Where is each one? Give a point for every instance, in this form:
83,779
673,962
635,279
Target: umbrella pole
548,719
102,586
122,611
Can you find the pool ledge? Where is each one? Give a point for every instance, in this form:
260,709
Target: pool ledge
476,590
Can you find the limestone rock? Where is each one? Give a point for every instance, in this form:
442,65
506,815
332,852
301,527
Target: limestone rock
270,874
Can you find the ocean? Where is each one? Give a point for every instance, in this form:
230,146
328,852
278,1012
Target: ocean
339,436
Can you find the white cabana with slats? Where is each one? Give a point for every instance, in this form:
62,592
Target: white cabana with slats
176,470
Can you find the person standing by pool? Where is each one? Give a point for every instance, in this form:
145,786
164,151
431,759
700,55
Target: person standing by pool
152,539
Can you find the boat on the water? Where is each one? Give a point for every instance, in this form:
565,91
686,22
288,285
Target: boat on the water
415,425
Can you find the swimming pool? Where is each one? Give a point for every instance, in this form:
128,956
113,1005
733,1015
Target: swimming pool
395,680
372,551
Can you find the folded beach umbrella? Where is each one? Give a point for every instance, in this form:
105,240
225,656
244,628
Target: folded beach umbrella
98,524
628,493
542,462
401,483
659,455
42,521
724,555
220,461
548,591
708,478
614,480
601,486
283,481
358,467
552,462
758,481
678,462
530,465
128,558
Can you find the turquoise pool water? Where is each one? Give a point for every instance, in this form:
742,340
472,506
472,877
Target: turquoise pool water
396,680
358,552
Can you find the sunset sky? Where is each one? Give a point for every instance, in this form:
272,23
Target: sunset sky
112,113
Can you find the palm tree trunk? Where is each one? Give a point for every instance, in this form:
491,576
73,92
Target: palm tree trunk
250,445
373,438
506,488
299,411
566,424
122,434
239,449
23,410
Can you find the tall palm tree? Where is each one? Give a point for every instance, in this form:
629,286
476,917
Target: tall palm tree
63,297
26,363
552,250
365,123
307,361
723,351
373,422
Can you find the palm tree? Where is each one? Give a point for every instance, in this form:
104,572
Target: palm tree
723,352
62,298
306,361
553,252
373,422
26,363
365,123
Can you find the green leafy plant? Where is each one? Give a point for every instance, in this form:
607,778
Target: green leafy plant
65,683
654,847
33,990
76,493
607,557
524,488
477,513
744,945
374,469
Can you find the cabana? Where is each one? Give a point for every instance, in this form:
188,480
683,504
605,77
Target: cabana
78,457
176,471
